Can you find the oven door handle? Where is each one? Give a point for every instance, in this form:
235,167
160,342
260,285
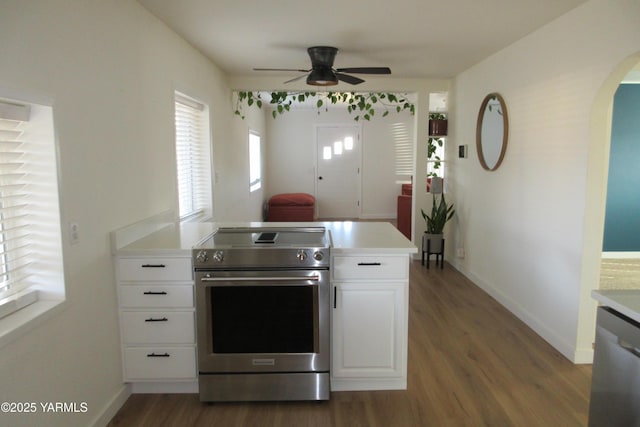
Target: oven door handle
238,280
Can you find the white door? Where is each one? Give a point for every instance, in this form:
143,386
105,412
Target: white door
338,171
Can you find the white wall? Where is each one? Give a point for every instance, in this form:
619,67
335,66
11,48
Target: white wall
530,229
420,87
110,70
232,199
291,155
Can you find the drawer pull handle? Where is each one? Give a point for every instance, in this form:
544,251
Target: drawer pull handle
152,319
155,293
158,355
153,266
369,263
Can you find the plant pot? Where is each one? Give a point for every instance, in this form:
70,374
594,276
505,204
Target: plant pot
438,127
433,242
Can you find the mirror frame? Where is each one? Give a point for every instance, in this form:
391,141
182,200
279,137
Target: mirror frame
505,133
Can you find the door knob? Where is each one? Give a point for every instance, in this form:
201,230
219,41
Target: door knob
320,178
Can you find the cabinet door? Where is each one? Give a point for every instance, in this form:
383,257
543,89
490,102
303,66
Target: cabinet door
368,325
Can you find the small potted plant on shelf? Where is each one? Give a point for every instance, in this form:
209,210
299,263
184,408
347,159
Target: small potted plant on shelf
438,124
441,213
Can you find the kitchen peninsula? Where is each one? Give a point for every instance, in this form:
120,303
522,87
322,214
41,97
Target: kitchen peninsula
369,306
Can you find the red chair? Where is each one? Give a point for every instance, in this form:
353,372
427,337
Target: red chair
291,207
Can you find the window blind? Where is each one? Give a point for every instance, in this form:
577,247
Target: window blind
14,201
31,268
192,156
403,148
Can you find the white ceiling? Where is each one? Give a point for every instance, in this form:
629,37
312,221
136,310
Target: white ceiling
415,38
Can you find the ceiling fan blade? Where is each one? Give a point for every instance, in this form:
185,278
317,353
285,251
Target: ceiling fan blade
365,70
301,76
349,79
280,69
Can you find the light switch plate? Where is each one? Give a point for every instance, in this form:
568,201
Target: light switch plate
462,151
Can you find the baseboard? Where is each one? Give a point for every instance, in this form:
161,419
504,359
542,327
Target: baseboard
567,350
152,387
387,216
621,255
583,356
360,384
112,407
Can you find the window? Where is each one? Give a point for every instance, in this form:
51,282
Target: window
435,156
30,237
193,157
402,139
255,168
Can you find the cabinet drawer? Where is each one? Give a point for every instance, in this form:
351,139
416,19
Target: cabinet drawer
156,296
156,269
158,327
156,363
370,267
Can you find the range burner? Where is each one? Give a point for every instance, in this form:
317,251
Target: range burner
270,247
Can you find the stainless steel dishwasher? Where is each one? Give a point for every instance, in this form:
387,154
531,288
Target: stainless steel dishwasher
615,384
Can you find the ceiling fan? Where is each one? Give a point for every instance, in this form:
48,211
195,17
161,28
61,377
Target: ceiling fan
322,72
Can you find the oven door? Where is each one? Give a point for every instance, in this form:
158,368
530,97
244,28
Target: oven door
263,321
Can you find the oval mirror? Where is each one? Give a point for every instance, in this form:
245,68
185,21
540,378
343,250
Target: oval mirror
492,131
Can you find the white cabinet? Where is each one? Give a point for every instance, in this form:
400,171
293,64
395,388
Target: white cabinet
157,318
369,322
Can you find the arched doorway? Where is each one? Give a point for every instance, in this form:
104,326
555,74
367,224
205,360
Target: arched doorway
597,173
621,245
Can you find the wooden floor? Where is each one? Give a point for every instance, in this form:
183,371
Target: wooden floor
471,363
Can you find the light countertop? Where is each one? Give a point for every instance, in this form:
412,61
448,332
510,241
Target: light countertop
362,237
346,237
171,240
625,301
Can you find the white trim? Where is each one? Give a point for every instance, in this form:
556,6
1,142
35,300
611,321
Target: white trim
621,255
364,384
383,216
156,387
112,407
23,321
18,301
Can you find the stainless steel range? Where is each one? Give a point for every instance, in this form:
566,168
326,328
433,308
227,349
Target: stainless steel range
262,307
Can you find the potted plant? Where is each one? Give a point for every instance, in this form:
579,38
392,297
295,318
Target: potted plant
441,213
438,124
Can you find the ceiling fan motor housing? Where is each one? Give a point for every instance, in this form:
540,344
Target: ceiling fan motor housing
322,55
322,72
322,58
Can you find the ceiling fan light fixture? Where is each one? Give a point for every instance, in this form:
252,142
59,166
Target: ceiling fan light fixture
322,77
